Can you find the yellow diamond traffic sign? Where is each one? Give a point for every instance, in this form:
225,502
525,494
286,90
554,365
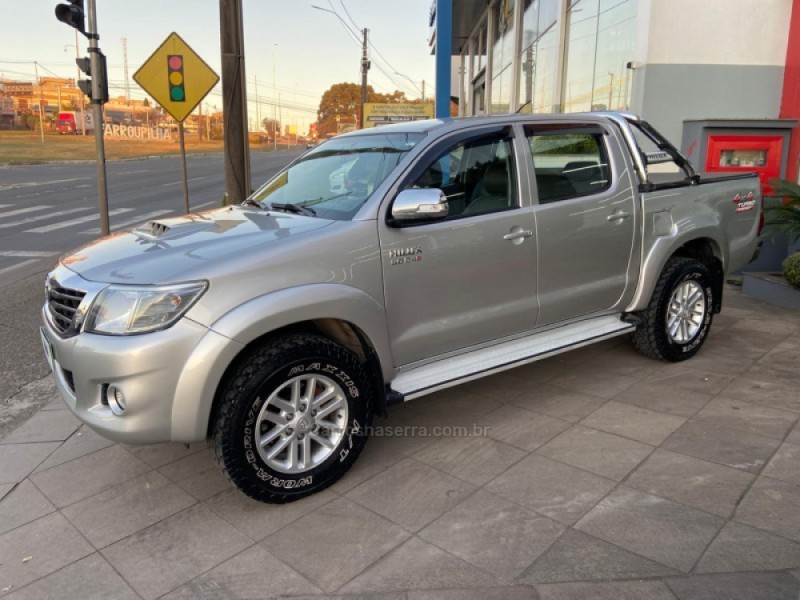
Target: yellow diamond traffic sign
176,77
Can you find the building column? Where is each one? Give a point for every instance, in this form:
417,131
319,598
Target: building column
790,101
444,51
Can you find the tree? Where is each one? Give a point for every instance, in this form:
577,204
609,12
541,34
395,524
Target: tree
271,125
146,102
344,100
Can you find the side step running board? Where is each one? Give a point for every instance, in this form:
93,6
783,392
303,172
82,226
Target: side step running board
453,371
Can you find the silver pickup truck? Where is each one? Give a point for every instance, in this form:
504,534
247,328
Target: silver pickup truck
384,265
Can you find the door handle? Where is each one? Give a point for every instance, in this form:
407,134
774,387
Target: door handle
517,235
618,215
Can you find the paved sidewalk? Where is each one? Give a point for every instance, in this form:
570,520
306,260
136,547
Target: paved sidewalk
601,474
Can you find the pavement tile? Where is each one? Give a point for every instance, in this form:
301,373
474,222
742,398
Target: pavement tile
50,542
624,360
773,326
501,387
596,381
84,441
23,505
493,534
518,592
553,489
731,447
198,474
86,476
736,586
376,457
577,556
691,481
44,426
596,451
633,422
90,578
257,519
612,590
474,459
18,460
785,465
794,435
334,543
457,406
56,403
417,565
783,359
773,506
5,488
558,402
255,573
683,376
411,494
742,548
769,391
522,428
125,509
664,398
747,417
170,553
158,455
653,527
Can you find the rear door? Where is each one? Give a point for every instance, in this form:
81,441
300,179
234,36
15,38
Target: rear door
471,278
585,219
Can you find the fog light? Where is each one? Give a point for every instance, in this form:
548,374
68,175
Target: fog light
116,400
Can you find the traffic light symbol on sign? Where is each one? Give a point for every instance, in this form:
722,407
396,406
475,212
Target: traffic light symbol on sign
177,91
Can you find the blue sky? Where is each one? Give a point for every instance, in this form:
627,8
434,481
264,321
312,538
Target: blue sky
313,49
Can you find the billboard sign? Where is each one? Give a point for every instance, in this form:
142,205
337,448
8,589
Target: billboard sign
382,114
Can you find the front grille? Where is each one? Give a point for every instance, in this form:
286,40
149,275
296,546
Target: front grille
62,303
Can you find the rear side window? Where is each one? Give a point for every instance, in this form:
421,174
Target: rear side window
568,163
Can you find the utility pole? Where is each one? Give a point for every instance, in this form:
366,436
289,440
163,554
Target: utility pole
200,122
364,68
274,106
125,62
97,69
258,108
41,108
423,90
234,101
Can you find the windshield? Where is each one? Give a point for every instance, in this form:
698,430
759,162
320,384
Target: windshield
335,179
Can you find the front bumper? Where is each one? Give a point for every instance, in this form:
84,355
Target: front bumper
146,368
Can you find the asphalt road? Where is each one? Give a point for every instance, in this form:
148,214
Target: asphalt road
46,210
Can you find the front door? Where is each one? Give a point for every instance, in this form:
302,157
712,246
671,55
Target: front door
585,220
471,278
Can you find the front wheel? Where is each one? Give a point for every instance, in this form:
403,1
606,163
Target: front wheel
677,320
292,418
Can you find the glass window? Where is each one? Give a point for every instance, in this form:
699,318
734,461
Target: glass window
599,45
502,76
539,59
569,162
477,176
335,179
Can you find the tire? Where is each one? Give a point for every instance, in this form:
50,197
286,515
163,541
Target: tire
255,402
654,337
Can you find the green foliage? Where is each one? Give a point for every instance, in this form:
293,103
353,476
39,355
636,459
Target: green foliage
782,211
791,269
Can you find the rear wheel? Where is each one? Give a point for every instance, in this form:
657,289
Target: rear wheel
292,418
677,320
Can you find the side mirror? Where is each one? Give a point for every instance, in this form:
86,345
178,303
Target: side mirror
418,205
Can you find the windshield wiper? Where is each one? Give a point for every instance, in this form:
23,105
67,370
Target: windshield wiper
251,202
293,208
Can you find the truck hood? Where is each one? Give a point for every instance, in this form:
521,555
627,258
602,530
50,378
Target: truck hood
167,250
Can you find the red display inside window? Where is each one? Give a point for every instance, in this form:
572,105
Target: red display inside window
746,153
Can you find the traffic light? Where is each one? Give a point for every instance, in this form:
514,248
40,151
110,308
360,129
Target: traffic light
177,91
72,14
96,89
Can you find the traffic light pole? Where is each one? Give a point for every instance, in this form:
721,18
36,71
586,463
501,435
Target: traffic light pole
97,108
182,139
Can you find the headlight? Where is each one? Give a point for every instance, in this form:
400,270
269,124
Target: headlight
127,309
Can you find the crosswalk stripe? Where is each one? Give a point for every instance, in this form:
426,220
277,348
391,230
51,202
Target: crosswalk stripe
19,265
63,224
42,217
27,253
135,221
22,211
